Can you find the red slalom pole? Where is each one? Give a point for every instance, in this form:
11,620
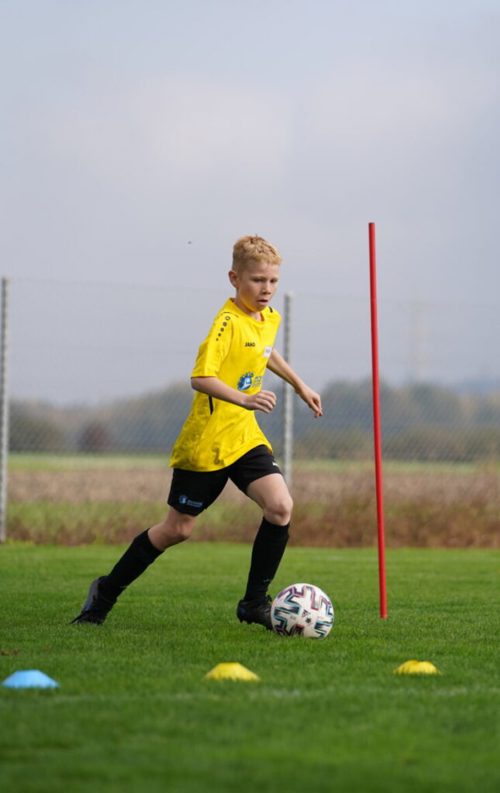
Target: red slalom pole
377,423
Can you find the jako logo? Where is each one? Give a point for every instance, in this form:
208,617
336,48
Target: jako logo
249,344
245,381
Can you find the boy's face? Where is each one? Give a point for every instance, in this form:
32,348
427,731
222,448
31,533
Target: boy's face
255,286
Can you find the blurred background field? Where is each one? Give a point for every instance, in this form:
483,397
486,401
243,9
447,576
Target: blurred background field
78,499
94,411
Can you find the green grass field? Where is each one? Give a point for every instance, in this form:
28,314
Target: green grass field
134,712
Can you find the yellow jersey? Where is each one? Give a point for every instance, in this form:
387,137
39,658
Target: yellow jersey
237,349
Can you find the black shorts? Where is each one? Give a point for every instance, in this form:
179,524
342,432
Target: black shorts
193,491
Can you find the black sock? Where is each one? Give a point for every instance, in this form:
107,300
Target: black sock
268,548
138,556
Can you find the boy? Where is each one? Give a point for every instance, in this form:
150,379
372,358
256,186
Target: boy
221,439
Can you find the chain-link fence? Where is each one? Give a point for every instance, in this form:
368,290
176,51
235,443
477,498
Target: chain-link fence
99,384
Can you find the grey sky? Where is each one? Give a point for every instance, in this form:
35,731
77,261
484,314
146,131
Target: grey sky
139,139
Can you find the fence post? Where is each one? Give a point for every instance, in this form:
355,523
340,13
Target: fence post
4,407
287,395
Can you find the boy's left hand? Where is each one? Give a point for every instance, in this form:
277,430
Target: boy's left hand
312,400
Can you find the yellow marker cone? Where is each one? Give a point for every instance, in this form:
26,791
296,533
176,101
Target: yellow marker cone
417,668
231,671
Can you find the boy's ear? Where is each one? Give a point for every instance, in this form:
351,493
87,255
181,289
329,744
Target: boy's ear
233,278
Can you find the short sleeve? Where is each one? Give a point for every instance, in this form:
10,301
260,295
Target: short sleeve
215,348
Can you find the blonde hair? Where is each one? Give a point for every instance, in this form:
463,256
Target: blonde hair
251,249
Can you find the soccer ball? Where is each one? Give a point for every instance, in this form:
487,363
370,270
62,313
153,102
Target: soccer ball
302,609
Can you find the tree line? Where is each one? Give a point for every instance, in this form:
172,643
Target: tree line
420,421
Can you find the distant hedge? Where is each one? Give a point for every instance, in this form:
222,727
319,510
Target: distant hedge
419,422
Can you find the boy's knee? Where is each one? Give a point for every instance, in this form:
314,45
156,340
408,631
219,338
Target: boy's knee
181,525
183,529
177,527
279,511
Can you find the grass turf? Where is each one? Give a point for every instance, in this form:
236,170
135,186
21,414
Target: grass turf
134,711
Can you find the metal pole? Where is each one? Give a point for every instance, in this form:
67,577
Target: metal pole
287,396
4,407
377,423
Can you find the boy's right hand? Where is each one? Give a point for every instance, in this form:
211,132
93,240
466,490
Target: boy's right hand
264,401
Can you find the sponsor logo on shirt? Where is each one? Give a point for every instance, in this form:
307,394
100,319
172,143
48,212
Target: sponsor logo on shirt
245,381
249,380
249,344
